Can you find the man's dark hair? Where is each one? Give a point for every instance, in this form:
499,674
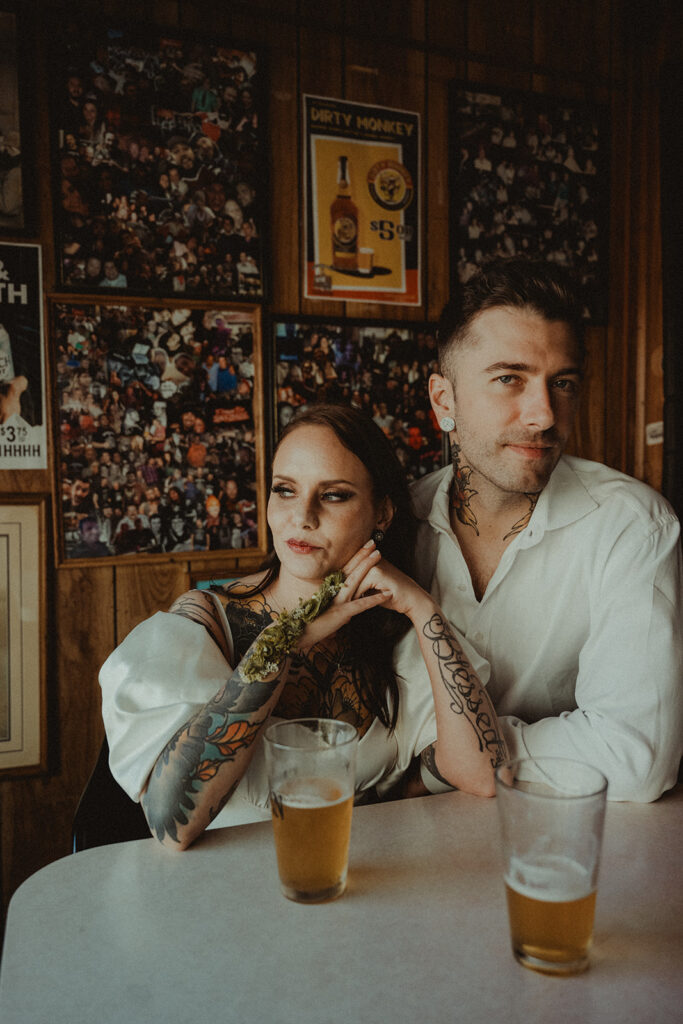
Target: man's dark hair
519,282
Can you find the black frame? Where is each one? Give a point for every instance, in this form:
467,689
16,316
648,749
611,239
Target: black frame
23,162
528,174
170,156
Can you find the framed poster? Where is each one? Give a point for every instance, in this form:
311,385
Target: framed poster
23,432
380,367
23,629
160,163
16,181
159,412
362,202
528,174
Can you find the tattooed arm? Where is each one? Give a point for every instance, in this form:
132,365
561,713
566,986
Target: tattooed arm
203,763
469,742
201,766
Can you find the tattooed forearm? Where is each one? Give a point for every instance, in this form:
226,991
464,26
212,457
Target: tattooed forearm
215,811
522,523
228,724
428,758
468,697
200,608
461,492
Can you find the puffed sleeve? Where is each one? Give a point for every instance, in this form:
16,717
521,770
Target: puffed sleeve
157,678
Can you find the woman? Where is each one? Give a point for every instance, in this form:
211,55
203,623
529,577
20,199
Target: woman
188,744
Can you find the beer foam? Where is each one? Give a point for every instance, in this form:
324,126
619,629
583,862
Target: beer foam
311,792
550,878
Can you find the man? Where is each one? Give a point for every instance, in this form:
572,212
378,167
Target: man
564,575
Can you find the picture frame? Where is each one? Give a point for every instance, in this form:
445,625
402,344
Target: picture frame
528,175
23,631
381,366
161,439
362,192
160,165
23,402
17,179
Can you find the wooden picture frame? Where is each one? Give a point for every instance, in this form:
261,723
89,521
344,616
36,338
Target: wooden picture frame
17,179
159,411
23,631
160,163
370,364
528,175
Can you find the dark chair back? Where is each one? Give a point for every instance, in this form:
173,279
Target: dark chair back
105,813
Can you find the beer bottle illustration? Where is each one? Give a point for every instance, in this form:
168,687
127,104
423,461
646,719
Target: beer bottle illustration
344,218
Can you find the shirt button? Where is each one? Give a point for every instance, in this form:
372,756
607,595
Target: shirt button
478,637
462,587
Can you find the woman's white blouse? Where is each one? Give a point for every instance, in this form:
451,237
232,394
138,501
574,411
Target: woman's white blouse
168,667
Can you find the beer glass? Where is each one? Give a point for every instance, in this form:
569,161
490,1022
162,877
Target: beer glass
551,813
311,766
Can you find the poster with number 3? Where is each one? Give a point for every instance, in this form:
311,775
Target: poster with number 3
23,438
362,201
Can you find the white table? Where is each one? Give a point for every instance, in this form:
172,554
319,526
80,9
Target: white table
137,934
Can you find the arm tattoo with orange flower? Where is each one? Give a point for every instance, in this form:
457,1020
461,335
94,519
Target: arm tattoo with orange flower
468,697
228,724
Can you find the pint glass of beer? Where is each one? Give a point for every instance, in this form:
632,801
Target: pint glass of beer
551,812
311,774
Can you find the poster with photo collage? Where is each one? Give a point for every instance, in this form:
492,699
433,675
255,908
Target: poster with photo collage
159,162
378,367
528,176
160,442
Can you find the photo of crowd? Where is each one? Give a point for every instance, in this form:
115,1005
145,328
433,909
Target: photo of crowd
527,177
160,165
379,368
158,445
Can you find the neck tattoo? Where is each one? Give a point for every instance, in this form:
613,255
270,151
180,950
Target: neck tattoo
522,523
461,493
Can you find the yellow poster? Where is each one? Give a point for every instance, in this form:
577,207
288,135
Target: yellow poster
362,231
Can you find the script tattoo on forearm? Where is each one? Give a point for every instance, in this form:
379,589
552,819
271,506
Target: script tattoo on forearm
468,696
194,755
522,523
461,493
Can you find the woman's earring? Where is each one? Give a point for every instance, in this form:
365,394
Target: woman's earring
447,424
378,536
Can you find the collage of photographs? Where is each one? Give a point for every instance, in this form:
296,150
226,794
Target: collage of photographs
160,166
157,435
173,378
526,176
378,368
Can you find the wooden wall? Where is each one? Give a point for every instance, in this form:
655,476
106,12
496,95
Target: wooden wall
399,53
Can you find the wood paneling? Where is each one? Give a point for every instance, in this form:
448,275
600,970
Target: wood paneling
321,73
502,30
401,53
